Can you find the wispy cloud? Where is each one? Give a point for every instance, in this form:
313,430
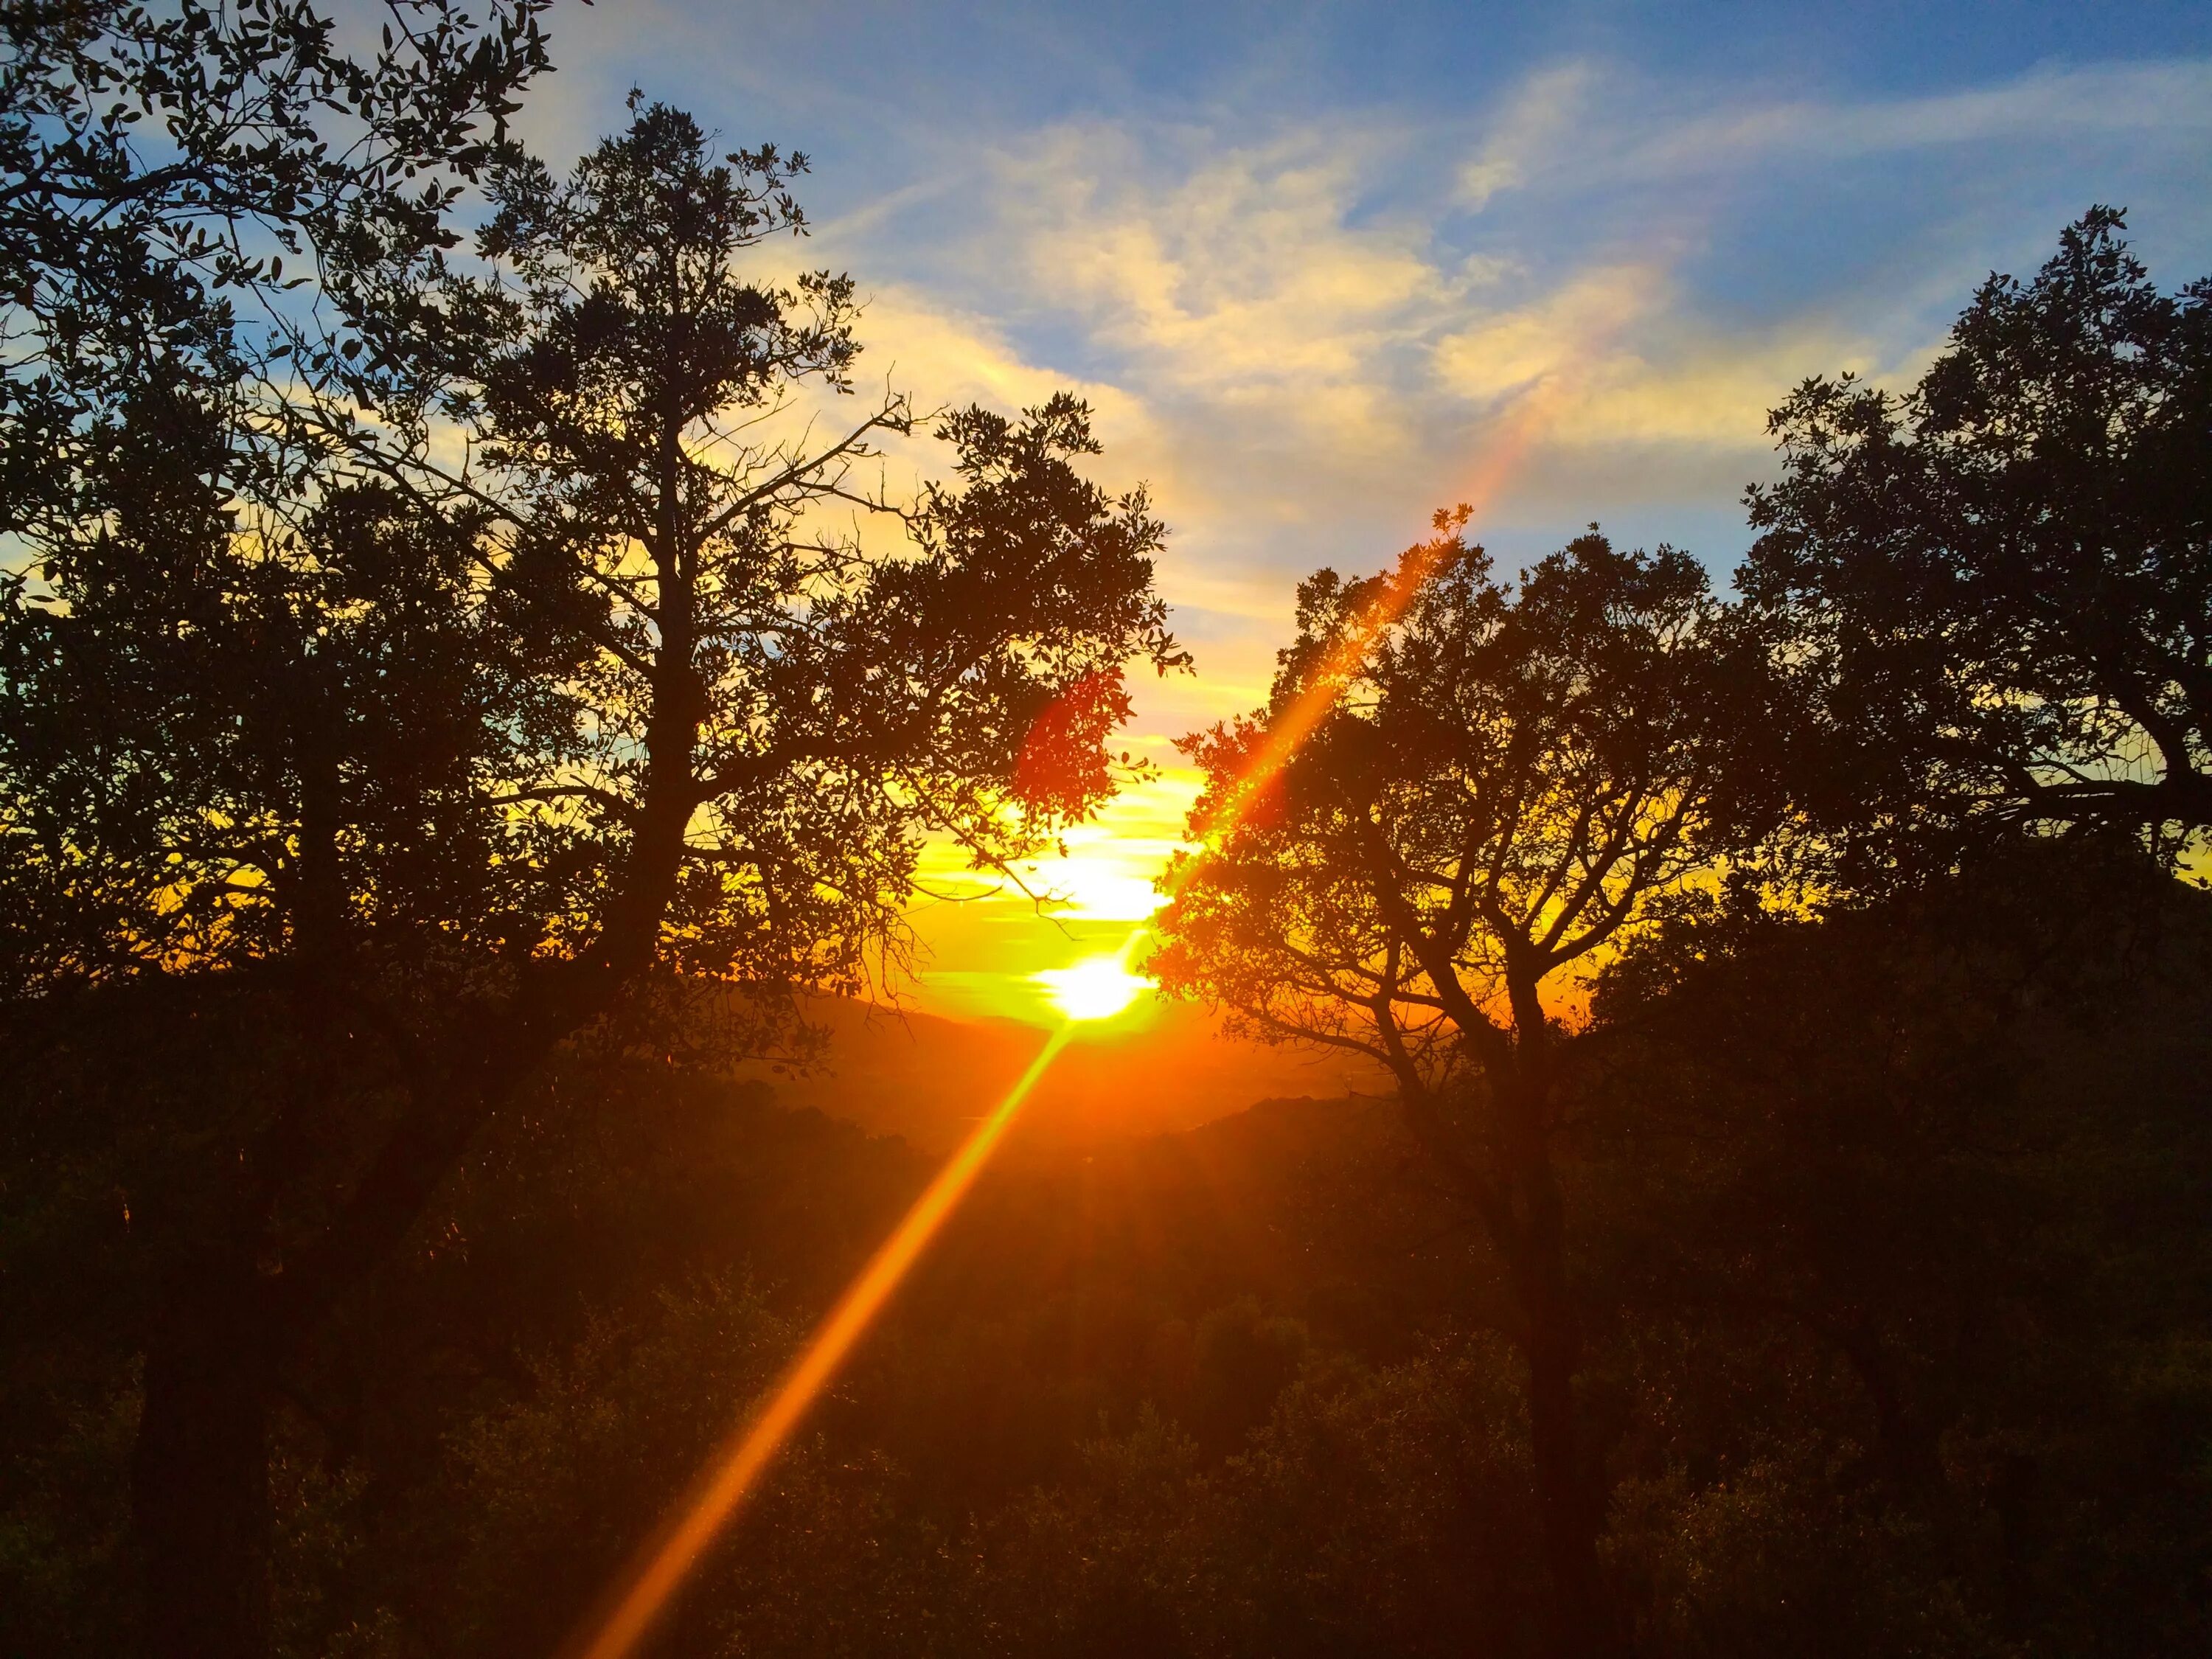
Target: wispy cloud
2172,99
1533,128
1306,333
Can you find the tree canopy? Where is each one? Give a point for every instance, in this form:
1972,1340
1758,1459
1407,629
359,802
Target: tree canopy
437,763
1994,587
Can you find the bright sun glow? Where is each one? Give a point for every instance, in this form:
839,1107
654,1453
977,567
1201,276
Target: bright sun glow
1098,988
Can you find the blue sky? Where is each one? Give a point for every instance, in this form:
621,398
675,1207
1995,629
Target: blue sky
1304,257
1322,268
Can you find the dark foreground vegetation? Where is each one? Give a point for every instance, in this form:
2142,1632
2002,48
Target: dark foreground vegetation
441,732
1894,1283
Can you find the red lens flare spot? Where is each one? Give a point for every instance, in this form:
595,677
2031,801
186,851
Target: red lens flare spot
1063,763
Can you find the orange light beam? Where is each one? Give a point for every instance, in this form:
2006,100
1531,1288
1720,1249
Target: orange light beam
660,1566
1291,728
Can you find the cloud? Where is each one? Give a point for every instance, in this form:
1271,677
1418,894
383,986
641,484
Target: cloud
1624,362
2172,99
949,356
1529,132
1557,334
1237,273
1255,342
1305,333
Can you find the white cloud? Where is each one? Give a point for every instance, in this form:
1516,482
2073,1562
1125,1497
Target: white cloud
1622,363
1530,131
1236,272
2053,104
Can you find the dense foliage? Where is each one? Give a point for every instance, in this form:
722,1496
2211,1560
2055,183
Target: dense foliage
1894,1345
1511,777
390,775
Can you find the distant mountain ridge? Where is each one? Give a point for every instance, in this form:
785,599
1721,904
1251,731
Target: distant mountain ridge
929,1080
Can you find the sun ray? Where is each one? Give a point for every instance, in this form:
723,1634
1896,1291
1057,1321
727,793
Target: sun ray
1097,989
660,1566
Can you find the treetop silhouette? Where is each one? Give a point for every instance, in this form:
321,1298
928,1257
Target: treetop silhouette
435,761
1993,590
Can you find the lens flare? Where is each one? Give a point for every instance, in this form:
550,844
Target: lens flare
1098,988
1292,725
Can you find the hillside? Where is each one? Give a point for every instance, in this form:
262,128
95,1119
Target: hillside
929,1079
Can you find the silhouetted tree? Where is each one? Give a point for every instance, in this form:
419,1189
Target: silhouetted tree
413,772
162,164
1994,588
1514,777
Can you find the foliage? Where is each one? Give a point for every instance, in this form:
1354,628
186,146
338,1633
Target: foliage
1513,776
162,164
1773,1558
1909,1160
1511,780
410,771
1014,1464
1993,588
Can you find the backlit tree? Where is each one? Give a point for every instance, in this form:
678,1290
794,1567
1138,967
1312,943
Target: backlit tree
1996,589
1515,778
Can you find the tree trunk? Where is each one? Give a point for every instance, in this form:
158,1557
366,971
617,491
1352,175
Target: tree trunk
200,1473
1906,1450
1566,1500
1579,1628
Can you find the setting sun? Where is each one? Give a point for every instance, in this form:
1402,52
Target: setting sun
1098,988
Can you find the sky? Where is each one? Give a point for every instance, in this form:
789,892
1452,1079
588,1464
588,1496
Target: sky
1320,269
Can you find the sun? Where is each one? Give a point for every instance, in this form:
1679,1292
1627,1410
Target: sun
1098,988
